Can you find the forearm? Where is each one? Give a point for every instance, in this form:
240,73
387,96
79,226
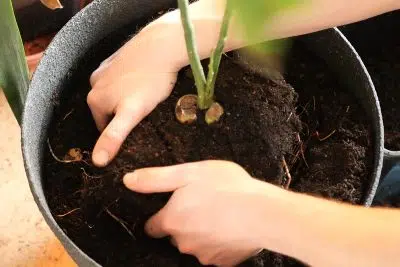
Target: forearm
311,16
325,233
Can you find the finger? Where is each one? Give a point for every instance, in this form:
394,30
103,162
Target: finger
171,178
99,112
162,179
154,227
129,113
114,135
103,67
101,118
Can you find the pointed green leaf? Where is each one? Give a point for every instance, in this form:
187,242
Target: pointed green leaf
14,75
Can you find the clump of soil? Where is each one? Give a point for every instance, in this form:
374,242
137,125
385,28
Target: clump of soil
264,123
337,135
377,42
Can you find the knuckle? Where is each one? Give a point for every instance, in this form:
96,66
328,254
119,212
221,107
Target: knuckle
168,224
93,79
91,98
204,260
234,165
185,248
113,133
128,106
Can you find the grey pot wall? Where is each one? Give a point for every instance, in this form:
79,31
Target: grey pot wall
381,66
97,21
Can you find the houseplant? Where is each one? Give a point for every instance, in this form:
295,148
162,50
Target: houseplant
42,110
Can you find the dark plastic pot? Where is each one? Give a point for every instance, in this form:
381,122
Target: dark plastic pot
390,185
102,17
384,29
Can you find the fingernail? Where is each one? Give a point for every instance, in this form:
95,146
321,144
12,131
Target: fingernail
101,158
130,179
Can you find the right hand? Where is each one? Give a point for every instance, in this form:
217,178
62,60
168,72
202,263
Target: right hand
126,88
215,213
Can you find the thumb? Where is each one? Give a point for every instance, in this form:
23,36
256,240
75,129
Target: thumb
126,118
162,179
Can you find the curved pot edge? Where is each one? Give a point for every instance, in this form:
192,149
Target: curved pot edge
378,125
74,251
93,22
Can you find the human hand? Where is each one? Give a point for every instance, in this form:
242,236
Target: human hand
213,213
127,87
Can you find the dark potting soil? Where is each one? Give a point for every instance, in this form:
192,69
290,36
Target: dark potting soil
265,122
378,43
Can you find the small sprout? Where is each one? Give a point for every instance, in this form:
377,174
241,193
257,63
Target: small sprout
52,4
74,154
214,113
186,109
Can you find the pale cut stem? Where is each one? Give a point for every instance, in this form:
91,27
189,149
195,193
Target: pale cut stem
215,59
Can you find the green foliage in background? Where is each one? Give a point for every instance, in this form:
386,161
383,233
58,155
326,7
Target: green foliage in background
254,15
14,74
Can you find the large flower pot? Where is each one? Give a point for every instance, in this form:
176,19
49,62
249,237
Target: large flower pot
100,19
380,55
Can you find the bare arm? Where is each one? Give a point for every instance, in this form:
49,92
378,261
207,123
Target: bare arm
325,233
309,16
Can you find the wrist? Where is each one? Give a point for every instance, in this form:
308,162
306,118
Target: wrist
267,218
166,42
167,32
158,46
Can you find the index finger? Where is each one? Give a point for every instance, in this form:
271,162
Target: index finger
159,179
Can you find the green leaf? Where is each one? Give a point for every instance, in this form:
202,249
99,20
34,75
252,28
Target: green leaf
14,74
254,14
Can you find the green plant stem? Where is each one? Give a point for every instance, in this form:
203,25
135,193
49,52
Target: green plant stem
215,59
197,68
14,74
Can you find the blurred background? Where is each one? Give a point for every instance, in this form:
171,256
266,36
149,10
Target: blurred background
25,239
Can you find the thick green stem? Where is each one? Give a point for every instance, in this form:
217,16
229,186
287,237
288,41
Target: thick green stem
197,68
216,55
14,75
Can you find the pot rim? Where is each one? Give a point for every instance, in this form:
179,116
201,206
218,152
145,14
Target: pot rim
33,136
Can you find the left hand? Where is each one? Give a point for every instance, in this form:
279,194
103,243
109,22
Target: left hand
213,213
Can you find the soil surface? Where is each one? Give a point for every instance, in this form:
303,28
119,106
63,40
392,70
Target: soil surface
378,43
319,130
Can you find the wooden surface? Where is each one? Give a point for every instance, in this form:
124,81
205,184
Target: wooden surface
25,238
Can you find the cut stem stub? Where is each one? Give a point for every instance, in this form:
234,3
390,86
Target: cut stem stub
186,109
214,113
